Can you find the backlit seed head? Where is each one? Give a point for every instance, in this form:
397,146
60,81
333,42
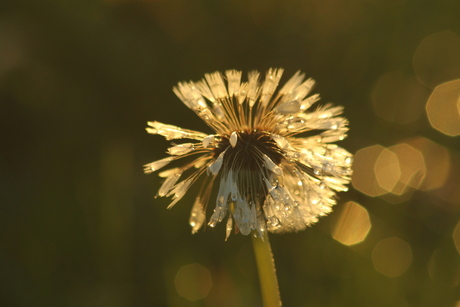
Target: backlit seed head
269,162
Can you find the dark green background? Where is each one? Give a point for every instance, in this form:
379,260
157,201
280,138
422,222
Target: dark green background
79,225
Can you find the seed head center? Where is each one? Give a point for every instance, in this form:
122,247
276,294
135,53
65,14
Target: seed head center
248,150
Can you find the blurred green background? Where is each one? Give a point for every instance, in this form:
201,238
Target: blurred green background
79,224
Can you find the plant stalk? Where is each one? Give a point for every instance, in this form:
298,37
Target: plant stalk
267,272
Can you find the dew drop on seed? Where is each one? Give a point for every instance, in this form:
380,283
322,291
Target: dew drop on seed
275,222
317,171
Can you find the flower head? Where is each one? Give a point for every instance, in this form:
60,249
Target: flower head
270,157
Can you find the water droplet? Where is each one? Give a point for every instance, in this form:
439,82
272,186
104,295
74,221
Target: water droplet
221,200
322,185
289,107
328,167
275,222
317,171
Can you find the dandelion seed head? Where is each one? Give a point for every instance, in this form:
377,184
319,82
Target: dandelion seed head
258,166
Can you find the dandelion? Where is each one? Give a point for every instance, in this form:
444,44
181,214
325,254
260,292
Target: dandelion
270,158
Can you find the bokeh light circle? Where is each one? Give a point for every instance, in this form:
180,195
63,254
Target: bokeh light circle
392,257
456,236
437,59
352,225
193,281
443,108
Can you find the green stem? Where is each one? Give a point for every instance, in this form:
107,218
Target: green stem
267,272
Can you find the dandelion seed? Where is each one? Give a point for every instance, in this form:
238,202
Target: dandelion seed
269,176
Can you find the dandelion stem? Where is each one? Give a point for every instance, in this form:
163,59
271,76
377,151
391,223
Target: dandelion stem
267,272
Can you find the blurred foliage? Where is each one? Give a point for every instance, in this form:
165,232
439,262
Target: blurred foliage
80,79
